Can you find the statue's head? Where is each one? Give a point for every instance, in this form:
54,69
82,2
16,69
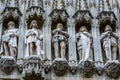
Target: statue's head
83,29
59,26
108,28
33,24
11,25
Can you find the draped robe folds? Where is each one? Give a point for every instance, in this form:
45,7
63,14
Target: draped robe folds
32,35
10,36
84,44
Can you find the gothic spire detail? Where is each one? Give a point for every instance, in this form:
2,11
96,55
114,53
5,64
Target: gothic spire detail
58,4
12,3
115,4
35,3
82,5
93,3
104,5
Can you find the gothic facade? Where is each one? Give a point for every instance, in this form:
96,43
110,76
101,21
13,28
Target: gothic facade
59,39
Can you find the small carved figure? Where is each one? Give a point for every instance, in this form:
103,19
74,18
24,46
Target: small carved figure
84,44
109,43
59,41
34,40
10,39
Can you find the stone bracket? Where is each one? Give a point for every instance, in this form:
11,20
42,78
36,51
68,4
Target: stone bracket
60,66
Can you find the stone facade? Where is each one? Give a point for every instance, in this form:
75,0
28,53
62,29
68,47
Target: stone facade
59,39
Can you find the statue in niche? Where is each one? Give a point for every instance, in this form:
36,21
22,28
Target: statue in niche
60,41
84,42
109,43
10,39
34,40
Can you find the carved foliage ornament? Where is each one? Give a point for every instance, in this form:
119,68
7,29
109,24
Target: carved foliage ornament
33,68
60,66
86,68
72,67
7,64
47,66
112,69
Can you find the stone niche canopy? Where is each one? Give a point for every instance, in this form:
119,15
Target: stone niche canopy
83,18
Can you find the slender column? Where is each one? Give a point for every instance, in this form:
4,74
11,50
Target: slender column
96,43
47,31
71,31
22,30
1,26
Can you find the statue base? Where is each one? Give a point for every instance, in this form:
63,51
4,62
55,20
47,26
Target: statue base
60,66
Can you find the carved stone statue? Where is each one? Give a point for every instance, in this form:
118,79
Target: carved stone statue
59,41
109,43
10,39
34,40
84,44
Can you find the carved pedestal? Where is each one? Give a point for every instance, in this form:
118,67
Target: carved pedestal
33,68
60,66
86,68
7,64
112,69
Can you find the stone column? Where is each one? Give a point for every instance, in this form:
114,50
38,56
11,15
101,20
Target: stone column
117,27
96,43
1,26
72,44
71,31
47,32
96,36
22,30
1,31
